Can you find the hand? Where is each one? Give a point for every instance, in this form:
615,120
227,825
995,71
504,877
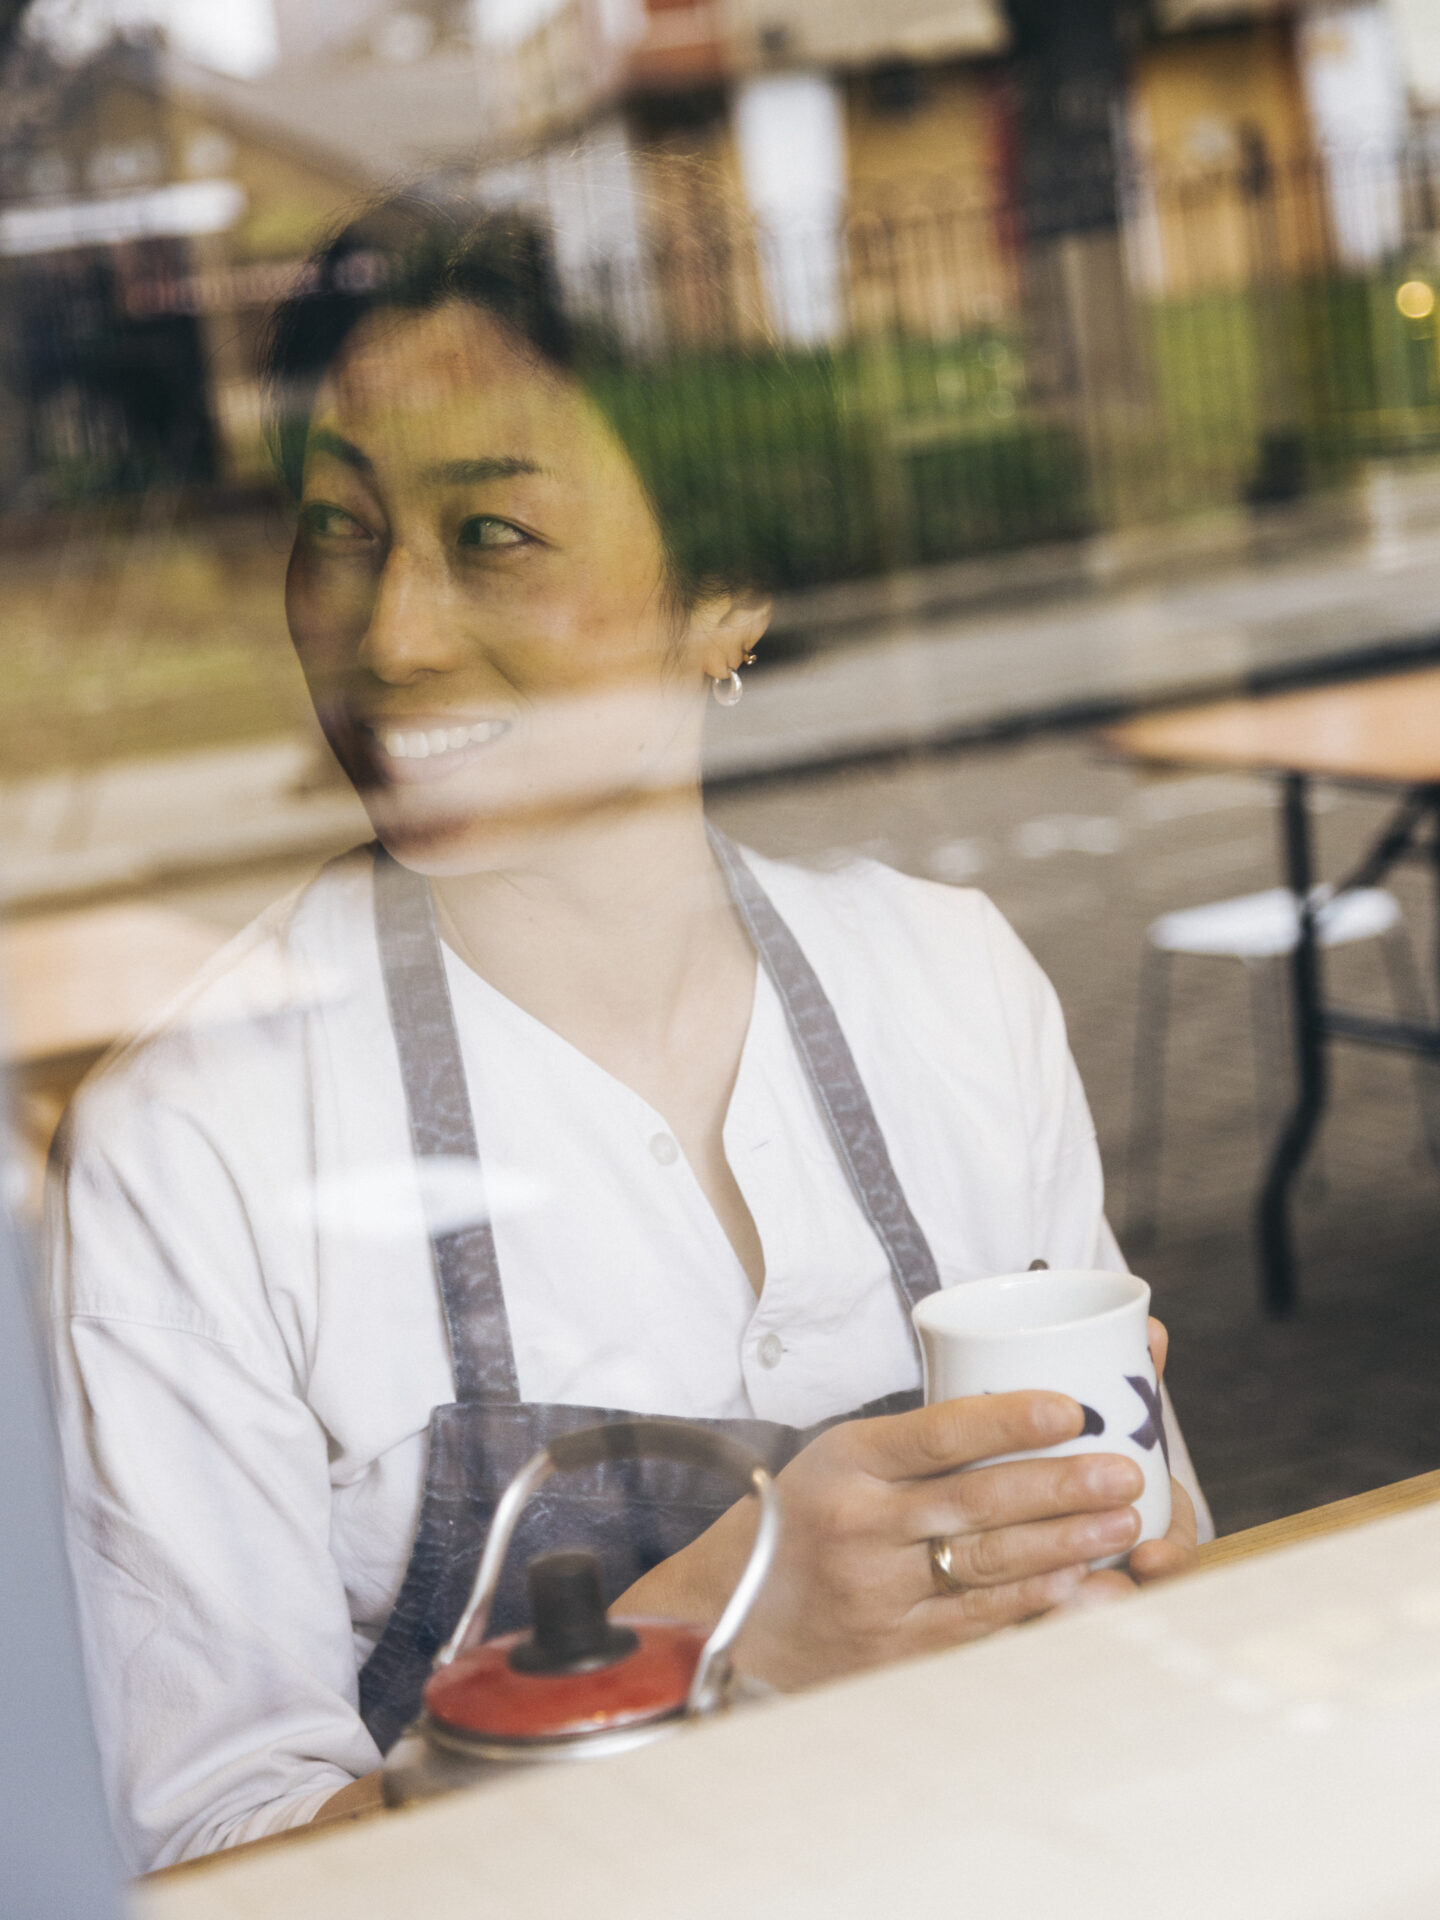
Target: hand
1154,1559
852,1585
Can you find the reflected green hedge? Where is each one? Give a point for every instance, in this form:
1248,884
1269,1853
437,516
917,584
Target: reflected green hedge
796,469
799,468
1327,360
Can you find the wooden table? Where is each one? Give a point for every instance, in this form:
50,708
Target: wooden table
1338,1517
71,984
1046,1761
1382,732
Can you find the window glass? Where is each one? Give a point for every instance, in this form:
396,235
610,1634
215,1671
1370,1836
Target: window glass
564,568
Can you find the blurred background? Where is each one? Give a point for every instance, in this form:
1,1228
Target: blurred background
1064,360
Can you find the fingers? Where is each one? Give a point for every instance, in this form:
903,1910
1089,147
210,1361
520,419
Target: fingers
1176,1553
1151,1561
1015,1492
1159,1335
1002,1557
948,1620
1102,1588
954,1433
1159,1560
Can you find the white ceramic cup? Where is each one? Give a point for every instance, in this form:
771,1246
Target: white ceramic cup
1078,1333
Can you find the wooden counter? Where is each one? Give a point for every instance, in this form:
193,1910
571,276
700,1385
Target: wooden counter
1221,1743
1337,1517
1261,1741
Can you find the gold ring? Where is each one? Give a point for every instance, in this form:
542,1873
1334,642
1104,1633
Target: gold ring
942,1567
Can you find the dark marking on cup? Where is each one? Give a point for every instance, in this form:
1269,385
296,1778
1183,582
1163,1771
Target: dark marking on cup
1094,1422
1151,1431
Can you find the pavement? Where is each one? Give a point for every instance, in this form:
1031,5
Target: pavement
1054,639
1101,646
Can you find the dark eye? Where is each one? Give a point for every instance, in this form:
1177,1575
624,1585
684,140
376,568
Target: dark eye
483,531
325,522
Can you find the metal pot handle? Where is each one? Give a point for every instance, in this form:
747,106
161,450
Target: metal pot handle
634,1440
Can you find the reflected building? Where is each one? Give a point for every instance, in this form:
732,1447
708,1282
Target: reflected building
1080,224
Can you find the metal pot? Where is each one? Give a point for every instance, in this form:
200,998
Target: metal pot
578,1685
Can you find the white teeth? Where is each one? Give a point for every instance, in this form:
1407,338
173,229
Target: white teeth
426,746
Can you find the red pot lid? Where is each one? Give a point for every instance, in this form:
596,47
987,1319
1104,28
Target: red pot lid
576,1672
482,1694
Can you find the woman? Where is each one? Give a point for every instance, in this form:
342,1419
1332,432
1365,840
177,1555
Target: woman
732,1119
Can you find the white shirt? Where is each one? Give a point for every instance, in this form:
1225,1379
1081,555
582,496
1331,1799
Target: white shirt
249,1339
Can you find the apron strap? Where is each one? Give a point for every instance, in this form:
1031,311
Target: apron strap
442,1125
835,1077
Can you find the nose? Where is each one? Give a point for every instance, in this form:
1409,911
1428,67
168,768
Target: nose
411,627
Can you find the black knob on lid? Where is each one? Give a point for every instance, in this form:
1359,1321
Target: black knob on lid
571,1633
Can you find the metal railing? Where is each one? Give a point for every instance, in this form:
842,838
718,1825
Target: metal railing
912,382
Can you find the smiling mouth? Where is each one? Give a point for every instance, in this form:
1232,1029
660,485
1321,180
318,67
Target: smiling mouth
430,743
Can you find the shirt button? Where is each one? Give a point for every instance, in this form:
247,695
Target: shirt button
770,1350
664,1149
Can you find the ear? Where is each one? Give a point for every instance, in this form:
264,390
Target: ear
725,627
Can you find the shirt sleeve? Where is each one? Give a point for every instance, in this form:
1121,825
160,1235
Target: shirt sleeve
1069,1183
216,1627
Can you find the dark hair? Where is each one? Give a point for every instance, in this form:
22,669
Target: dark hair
409,253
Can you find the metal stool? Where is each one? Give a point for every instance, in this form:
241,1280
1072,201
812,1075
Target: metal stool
1260,930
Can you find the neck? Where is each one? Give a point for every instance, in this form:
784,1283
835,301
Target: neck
611,918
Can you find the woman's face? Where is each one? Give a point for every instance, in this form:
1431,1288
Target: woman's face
477,596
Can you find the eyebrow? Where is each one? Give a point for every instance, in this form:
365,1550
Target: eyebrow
448,473
459,473
322,440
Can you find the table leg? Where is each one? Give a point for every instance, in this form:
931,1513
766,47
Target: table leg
1276,1254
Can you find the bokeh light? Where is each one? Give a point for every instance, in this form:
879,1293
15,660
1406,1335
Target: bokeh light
1416,299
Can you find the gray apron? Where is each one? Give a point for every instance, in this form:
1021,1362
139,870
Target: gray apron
633,1514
